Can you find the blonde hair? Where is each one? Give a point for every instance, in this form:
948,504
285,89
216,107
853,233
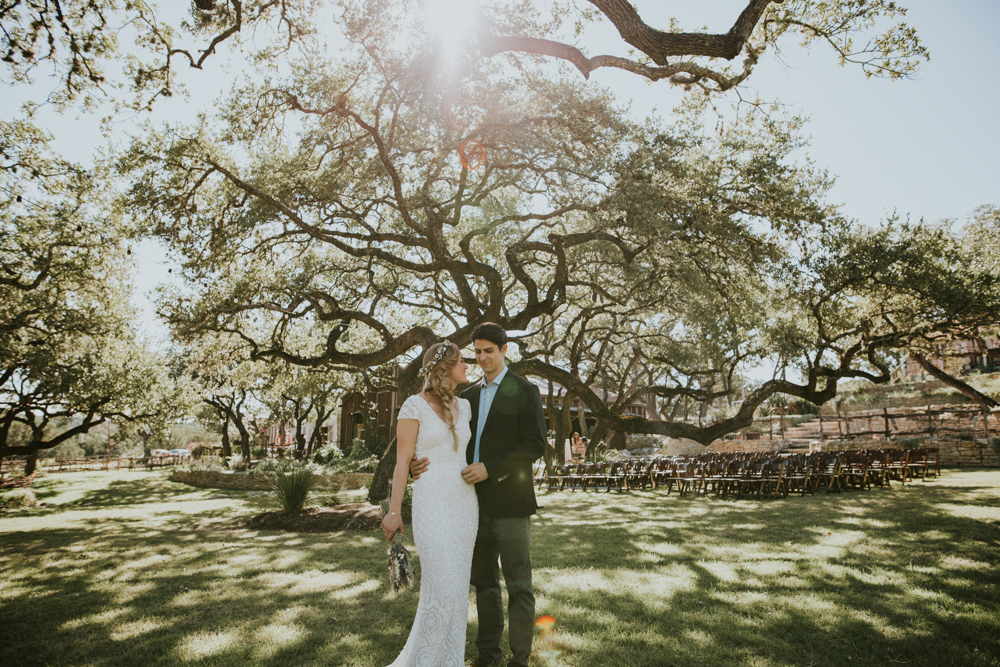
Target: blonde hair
438,363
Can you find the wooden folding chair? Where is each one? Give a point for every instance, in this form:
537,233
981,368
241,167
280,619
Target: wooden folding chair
577,478
729,478
878,468
856,469
898,465
616,477
637,475
558,480
917,463
772,483
799,476
828,472
692,480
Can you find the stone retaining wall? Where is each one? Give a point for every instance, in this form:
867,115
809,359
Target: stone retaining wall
968,452
226,479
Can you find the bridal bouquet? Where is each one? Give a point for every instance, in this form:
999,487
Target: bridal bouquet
400,565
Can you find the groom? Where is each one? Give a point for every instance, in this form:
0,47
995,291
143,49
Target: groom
508,428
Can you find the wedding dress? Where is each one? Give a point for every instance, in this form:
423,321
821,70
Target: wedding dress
445,521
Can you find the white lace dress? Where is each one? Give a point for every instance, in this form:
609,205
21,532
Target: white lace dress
445,521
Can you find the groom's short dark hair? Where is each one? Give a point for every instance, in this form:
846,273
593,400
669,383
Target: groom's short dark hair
490,331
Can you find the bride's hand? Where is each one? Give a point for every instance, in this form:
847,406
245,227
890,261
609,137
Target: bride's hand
390,524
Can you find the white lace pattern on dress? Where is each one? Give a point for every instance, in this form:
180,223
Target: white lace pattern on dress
445,521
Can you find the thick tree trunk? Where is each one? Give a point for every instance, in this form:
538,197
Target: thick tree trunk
31,464
408,384
652,403
600,430
564,427
244,441
300,440
982,399
227,449
321,415
379,488
146,453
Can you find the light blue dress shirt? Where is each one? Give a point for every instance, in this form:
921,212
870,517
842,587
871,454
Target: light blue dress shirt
486,394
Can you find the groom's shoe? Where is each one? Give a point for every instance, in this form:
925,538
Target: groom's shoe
484,661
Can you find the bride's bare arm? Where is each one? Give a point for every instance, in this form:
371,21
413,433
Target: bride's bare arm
406,443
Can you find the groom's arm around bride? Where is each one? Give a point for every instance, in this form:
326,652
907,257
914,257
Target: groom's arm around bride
511,439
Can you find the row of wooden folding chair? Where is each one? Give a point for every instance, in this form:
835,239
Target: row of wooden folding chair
748,473
584,476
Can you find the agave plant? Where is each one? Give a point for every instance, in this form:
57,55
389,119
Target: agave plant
292,488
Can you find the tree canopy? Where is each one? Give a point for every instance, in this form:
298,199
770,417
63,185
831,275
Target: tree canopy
390,181
662,258
69,358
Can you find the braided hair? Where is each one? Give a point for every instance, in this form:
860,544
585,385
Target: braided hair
439,359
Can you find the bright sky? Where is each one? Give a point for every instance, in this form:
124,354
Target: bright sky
926,147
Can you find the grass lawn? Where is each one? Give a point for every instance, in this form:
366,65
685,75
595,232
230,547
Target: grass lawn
132,569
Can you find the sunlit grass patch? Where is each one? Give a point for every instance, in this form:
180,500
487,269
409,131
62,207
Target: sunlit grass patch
204,644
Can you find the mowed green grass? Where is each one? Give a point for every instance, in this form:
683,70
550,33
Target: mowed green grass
150,572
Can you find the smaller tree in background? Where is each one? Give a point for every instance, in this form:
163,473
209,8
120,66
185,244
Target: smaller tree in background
228,382
304,396
70,358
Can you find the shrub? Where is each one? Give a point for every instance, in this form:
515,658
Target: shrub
359,450
995,441
20,498
275,466
203,449
378,446
236,462
206,464
292,488
287,465
328,454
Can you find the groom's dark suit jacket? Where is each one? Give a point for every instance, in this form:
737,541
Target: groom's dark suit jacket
513,438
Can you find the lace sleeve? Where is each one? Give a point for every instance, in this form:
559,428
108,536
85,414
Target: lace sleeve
409,409
466,409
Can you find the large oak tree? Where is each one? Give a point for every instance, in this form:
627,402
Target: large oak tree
335,196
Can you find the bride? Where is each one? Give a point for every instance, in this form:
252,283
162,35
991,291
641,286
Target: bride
435,424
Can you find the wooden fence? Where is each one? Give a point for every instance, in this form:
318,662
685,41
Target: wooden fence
85,463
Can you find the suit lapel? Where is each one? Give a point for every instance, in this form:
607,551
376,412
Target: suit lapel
474,402
472,395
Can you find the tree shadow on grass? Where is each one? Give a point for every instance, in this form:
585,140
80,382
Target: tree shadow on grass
110,596
115,488
140,491
864,578
893,576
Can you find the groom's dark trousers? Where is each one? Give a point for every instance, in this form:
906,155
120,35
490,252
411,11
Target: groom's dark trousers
513,438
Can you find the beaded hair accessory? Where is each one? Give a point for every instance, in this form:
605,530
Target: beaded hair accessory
430,364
